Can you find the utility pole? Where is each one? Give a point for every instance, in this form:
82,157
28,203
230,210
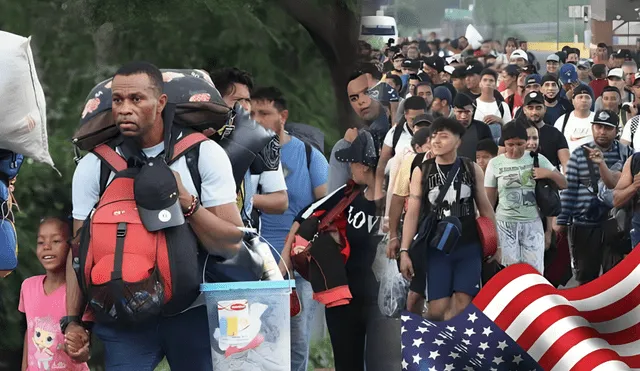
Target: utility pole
558,25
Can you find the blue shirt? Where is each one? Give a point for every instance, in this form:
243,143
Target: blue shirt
301,181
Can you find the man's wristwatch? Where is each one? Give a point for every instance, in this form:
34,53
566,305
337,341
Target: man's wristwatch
67,320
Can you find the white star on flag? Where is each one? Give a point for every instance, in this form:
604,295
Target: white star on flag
404,364
403,330
449,367
467,342
432,368
517,359
469,332
451,328
502,345
472,317
417,342
405,318
480,355
422,330
486,331
417,359
497,360
483,346
454,355
438,342
434,355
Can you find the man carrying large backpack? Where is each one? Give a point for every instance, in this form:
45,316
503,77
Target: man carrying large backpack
132,271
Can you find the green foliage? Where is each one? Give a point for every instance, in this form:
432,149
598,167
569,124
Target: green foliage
79,43
321,354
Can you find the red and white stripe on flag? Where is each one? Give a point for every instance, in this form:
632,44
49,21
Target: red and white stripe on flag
592,327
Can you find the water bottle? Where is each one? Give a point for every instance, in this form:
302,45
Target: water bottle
270,269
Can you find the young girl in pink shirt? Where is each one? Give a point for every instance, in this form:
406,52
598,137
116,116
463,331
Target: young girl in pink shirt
43,301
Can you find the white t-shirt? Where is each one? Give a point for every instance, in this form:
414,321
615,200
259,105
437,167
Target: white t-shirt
485,109
270,181
218,185
626,132
578,131
403,142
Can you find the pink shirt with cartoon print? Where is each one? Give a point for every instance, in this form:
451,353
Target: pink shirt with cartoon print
44,338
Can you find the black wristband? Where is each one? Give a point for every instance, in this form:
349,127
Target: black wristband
67,320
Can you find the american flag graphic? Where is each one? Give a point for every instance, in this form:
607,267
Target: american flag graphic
594,327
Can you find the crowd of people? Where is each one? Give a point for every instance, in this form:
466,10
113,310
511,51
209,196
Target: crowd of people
450,135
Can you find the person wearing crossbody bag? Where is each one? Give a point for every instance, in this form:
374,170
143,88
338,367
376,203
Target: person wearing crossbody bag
452,265
582,211
360,334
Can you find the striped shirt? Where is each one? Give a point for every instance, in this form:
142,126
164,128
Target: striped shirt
577,199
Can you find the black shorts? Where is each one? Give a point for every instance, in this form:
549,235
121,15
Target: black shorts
419,280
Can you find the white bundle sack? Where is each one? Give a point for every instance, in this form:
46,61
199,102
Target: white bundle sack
23,120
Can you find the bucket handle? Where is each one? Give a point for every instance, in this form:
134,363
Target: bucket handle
256,234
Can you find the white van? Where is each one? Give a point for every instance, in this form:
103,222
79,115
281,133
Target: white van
377,30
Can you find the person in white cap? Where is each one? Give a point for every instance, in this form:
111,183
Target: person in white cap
553,63
519,57
616,79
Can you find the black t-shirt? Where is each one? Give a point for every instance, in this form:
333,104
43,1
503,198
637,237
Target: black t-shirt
476,132
551,141
464,209
362,234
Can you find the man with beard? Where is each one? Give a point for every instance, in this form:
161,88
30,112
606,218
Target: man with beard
375,120
475,131
553,145
555,105
592,249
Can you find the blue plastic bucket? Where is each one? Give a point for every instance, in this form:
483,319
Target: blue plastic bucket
249,323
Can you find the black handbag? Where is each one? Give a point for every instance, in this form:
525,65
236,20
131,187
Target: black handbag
547,195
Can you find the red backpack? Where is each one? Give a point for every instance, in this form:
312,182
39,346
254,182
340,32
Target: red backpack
127,273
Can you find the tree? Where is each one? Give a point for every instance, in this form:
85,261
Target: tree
306,48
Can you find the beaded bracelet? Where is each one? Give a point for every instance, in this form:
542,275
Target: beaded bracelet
193,207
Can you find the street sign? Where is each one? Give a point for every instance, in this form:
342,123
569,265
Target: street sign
575,11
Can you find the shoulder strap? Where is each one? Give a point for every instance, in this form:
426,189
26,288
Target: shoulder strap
184,148
592,172
634,127
396,136
308,150
470,168
185,144
536,162
500,108
447,183
566,119
329,217
110,157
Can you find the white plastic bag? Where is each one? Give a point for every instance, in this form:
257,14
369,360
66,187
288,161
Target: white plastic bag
392,297
23,120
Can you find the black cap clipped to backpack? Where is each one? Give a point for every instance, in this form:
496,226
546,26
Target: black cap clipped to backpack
156,193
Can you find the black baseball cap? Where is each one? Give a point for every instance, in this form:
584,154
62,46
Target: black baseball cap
459,72
362,150
581,89
512,70
606,117
549,77
425,118
415,64
156,194
474,69
623,54
533,97
462,100
435,62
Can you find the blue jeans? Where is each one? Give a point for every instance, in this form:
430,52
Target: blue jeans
183,339
301,325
